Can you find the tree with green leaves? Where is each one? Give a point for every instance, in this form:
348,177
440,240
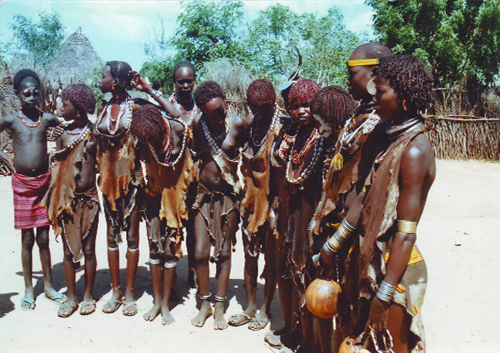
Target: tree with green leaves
43,39
323,42
458,39
208,31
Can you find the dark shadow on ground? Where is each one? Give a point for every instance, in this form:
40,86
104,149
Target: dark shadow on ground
6,304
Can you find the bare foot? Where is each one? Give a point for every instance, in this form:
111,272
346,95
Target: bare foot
166,316
220,322
152,313
204,313
55,296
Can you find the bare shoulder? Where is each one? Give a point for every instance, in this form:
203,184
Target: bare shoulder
238,122
418,157
177,126
51,119
9,118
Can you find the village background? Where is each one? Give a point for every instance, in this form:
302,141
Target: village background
235,43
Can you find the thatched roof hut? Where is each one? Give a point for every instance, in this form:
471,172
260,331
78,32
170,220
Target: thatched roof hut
74,62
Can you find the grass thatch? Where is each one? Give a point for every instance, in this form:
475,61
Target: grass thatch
463,137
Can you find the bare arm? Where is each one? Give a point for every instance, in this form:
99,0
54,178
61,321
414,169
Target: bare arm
6,122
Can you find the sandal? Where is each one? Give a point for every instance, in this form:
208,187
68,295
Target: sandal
28,305
66,310
239,319
87,307
112,306
59,299
258,324
130,309
273,340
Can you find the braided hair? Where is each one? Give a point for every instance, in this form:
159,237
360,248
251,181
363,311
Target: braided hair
303,91
148,125
81,97
207,91
411,80
260,93
333,104
120,70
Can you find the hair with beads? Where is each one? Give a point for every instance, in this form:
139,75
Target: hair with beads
303,91
207,91
120,70
411,80
148,125
81,97
333,104
260,93
22,74
182,64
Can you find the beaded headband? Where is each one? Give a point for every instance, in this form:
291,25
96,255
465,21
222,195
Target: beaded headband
363,62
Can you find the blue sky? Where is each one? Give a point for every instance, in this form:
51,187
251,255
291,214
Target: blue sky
118,29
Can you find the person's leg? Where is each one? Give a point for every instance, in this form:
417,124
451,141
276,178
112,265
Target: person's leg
270,255
28,240
285,293
202,255
69,275
307,323
130,306
168,283
155,269
190,246
88,304
325,333
42,240
224,269
114,271
250,280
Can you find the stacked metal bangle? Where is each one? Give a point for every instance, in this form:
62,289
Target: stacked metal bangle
219,298
205,297
343,233
156,94
386,291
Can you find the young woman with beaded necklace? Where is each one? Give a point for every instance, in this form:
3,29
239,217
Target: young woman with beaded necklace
303,176
120,173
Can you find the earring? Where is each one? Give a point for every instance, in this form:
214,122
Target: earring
78,115
371,87
404,105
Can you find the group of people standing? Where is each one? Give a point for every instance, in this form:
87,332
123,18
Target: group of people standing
327,187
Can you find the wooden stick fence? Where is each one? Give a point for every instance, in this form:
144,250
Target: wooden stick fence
464,137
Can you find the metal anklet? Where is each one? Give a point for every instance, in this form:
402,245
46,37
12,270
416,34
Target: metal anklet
154,261
168,265
132,250
219,298
112,249
205,297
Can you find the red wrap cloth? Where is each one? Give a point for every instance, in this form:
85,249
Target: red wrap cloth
28,195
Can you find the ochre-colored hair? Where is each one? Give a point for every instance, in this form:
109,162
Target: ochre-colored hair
303,91
410,79
81,97
260,93
207,91
148,125
333,104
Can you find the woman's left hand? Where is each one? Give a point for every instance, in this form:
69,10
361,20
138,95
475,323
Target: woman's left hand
139,82
379,315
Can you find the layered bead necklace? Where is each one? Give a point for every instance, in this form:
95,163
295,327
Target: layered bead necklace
114,123
175,100
212,139
37,124
76,141
272,126
296,158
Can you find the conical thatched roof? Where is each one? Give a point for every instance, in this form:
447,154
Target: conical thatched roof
75,61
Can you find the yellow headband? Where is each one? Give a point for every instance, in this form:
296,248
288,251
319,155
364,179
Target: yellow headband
362,62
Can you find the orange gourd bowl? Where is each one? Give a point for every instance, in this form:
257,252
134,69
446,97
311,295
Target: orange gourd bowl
321,298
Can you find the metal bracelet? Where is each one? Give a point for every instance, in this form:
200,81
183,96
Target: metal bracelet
386,291
408,227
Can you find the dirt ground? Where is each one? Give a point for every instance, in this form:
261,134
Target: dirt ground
458,236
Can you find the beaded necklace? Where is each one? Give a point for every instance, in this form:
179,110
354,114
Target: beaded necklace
318,148
296,157
271,128
193,112
76,141
211,141
170,149
221,137
37,124
125,110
